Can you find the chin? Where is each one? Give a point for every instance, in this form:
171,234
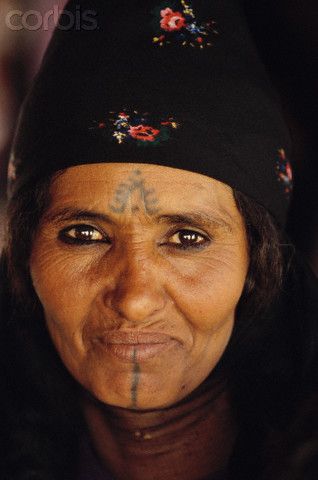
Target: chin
144,400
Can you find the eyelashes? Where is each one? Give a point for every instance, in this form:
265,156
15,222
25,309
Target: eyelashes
182,239
82,235
187,239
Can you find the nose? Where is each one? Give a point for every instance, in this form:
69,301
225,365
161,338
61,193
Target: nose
138,295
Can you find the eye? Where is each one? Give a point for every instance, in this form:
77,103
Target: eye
82,234
186,239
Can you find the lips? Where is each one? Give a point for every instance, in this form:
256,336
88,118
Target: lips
135,346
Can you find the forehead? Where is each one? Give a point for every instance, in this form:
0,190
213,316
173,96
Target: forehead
101,182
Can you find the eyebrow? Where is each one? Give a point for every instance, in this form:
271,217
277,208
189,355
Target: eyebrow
192,218
196,219
71,214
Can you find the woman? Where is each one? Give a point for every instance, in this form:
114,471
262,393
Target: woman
159,324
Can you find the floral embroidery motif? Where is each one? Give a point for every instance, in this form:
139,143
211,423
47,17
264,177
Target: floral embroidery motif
125,127
172,20
284,171
182,27
144,133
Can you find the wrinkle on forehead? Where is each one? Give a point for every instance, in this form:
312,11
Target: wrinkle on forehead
111,173
102,186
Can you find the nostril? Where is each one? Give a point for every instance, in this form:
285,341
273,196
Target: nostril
138,304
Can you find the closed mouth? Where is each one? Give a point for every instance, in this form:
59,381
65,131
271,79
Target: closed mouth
135,346
133,337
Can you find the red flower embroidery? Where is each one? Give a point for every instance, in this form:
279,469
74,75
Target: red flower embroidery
284,170
144,132
172,20
288,169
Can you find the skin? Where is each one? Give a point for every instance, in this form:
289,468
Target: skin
130,274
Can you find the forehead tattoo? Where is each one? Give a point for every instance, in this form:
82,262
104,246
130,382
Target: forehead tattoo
124,192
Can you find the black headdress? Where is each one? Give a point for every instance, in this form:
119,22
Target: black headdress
173,83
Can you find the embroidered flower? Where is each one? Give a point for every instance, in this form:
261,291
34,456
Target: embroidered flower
144,132
180,27
143,129
172,20
284,171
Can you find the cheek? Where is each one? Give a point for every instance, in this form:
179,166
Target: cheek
59,278
209,290
62,287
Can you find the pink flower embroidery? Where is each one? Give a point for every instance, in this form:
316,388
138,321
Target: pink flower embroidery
172,21
144,132
180,26
284,170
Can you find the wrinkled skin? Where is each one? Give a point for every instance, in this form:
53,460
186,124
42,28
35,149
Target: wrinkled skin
167,254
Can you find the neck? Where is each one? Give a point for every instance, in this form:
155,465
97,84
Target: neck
192,439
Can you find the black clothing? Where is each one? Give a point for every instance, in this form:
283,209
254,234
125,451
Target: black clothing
198,99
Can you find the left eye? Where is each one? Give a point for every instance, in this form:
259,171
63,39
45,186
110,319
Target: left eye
188,239
81,234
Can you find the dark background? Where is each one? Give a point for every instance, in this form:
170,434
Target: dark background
286,33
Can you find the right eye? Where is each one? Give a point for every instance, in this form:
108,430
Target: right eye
82,234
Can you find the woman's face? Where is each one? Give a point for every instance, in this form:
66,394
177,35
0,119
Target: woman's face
139,269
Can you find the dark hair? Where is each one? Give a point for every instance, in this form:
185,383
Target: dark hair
50,415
